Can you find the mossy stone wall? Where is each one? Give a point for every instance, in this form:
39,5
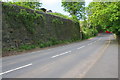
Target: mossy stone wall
22,26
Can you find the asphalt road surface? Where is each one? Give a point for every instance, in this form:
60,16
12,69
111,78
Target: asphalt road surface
93,58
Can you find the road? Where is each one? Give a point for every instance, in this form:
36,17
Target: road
93,58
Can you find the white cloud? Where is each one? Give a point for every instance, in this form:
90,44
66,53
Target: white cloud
87,2
50,2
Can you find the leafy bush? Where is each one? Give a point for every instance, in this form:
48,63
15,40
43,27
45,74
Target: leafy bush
27,47
73,17
87,30
30,5
24,16
28,18
60,15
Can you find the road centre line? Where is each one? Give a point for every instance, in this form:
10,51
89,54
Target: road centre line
81,47
90,43
36,52
15,69
61,54
97,40
70,51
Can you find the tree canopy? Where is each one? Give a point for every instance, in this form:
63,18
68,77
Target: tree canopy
75,8
105,14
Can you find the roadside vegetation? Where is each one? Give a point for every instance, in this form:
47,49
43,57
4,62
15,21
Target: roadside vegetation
77,11
41,45
87,30
30,5
73,18
105,15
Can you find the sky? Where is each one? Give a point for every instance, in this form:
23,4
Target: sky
55,5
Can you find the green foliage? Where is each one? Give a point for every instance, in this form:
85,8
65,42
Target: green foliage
87,30
28,19
75,8
27,47
73,17
60,15
49,43
57,21
21,48
39,10
32,5
105,14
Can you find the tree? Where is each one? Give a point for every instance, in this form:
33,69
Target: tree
75,8
105,14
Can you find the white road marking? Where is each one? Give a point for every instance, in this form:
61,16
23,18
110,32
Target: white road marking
36,52
61,54
95,41
81,47
15,69
90,43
